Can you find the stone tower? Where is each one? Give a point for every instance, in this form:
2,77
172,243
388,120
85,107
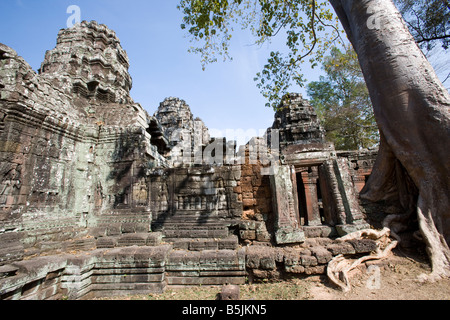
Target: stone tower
298,123
89,61
185,134
69,162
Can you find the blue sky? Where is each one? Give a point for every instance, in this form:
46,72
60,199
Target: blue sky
225,96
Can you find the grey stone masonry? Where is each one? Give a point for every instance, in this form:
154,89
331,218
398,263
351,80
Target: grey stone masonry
151,269
98,197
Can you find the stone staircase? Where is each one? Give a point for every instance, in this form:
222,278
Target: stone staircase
196,231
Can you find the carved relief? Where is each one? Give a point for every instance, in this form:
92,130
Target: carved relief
9,185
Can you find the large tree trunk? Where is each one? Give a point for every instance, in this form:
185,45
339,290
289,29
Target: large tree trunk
412,111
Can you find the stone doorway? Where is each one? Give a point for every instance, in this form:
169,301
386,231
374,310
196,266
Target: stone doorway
312,211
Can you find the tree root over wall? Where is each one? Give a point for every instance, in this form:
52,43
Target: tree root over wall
339,267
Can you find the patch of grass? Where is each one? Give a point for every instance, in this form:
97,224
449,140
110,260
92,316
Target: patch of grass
284,290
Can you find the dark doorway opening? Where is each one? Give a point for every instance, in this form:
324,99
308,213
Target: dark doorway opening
301,200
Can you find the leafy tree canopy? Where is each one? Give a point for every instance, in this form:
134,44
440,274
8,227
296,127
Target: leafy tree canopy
428,21
309,27
342,102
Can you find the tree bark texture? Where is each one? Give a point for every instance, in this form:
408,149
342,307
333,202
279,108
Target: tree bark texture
411,107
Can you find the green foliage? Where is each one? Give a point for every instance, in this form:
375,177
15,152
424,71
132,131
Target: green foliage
342,102
428,21
308,25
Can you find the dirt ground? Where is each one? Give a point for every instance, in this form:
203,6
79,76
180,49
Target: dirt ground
395,278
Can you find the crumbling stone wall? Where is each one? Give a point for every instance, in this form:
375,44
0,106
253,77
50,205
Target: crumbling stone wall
254,191
309,258
150,269
40,147
155,198
67,159
196,202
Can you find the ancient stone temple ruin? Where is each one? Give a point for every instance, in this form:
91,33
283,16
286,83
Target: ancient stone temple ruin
98,197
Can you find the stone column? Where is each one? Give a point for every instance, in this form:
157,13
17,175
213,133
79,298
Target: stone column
312,202
287,228
359,182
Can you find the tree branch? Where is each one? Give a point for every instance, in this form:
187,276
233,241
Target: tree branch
334,27
313,14
433,38
448,76
447,3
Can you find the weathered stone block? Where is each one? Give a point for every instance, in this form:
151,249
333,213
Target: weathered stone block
183,261
248,202
132,239
323,255
200,245
312,231
247,225
305,252
344,229
181,244
247,195
128,228
262,235
230,243
237,189
278,254
328,232
86,244
266,274
308,261
267,263
247,234
319,231
8,271
198,233
289,235
252,261
154,239
260,257
291,257
298,269
364,245
261,231
315,270
12,249
50,246
114,230
106,242
341,248
217,233
229,292
98,232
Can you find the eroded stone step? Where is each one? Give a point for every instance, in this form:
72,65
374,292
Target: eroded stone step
200,244
131,239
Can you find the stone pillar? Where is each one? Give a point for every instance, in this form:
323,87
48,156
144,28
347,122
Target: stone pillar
312,202
287,228
359,182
